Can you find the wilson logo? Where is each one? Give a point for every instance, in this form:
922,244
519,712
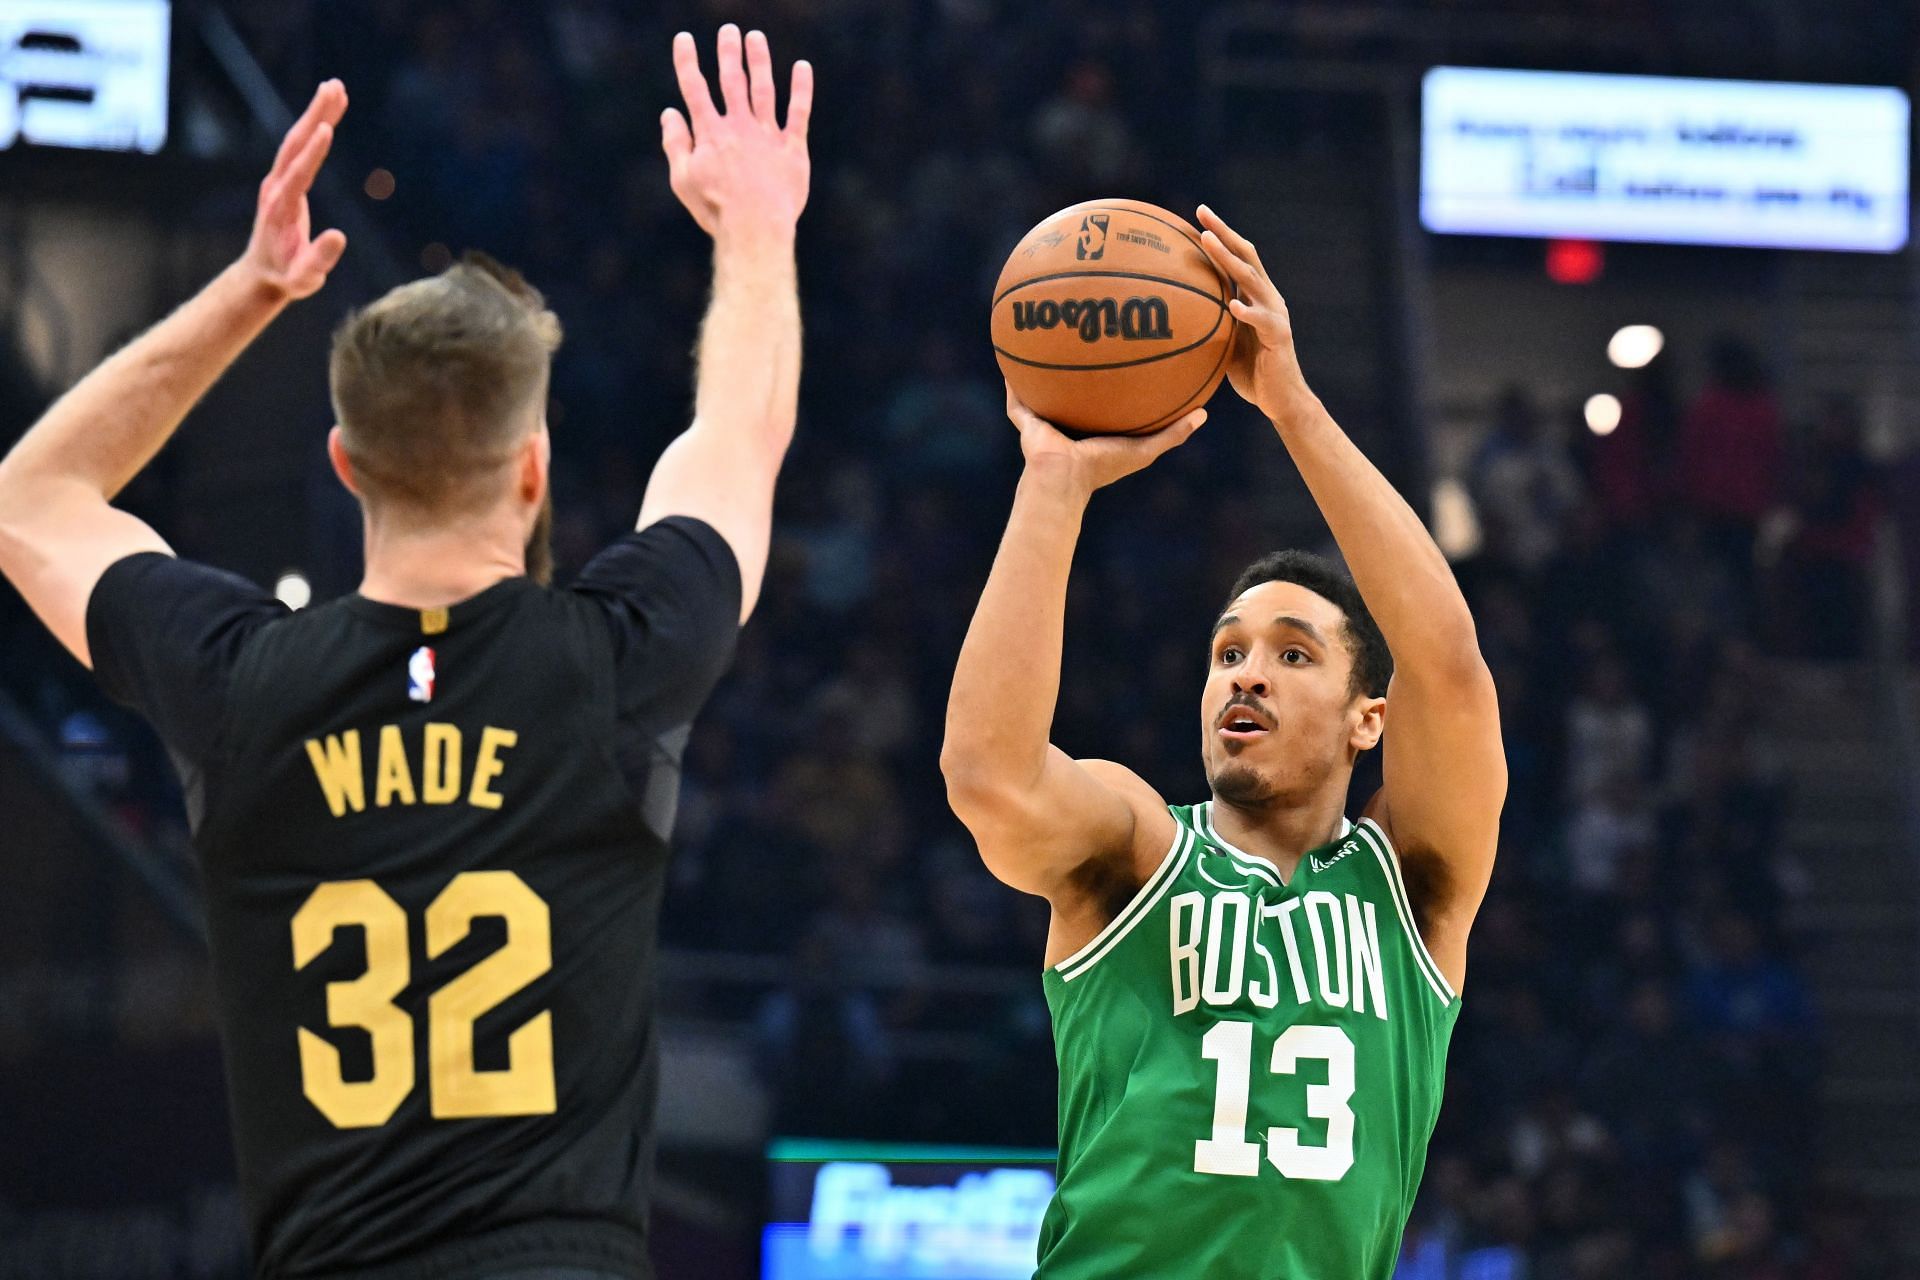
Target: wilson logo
1135,320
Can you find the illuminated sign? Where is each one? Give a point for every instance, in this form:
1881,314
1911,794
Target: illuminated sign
1602,157
84,73
872,1211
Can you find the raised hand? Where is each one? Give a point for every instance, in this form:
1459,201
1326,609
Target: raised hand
738,169
283,253
1263,367
1095,461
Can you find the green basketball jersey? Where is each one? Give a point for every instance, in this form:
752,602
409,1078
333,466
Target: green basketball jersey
1249,1069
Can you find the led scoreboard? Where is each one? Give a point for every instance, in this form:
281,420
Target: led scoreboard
84,73
1685,161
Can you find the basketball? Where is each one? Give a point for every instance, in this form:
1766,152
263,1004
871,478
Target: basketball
1110,319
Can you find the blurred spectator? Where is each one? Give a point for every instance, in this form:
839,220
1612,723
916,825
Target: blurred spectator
1731,1217
1646,1080
1608,827
1753,1003
821,1048
1731,446
1685,571
1632,467
1830,525
1524,482
945,426
1081,135
1903,491
837,537
1609,731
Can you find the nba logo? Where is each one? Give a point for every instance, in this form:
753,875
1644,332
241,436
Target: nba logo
420,675
1092,241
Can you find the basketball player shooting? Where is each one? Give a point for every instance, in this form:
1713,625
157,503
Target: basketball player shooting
1252,996
432,816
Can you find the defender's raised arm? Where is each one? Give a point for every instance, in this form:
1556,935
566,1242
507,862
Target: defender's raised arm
58,531
1444,767
744,178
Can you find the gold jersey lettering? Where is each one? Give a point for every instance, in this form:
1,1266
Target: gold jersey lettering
343,769
440,769
337,766
489,766
394,779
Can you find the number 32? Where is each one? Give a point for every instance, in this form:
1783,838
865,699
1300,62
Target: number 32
458,1088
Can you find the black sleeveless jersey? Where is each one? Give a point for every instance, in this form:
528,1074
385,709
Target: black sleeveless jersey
433,845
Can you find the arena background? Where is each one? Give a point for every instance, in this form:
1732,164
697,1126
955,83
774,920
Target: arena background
1690,1043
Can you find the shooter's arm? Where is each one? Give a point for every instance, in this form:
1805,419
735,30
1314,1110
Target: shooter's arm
1444,769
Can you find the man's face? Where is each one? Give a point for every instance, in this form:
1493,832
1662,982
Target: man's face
1275,716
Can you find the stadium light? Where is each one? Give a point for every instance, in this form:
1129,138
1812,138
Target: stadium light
1634,346
293,589
1603,414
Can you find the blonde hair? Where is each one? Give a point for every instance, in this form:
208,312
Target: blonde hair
437,383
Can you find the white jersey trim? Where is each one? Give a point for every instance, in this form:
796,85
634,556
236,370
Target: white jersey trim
1240,858
1135,911
1376,839
1247,862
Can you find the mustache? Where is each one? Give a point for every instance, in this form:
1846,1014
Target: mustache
1242,700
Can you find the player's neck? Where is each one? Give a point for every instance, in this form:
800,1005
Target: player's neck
1281,833
430,568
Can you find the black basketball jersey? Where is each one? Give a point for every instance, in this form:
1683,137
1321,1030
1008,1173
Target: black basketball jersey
433,846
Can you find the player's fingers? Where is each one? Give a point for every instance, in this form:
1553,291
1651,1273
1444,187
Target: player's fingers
1262,320
1233,239
1124,455
733,76
329,103
760,78
306,166
675,139
333,107
1017,409
1245,274
307,273
800,100
693,85
1174,434
327,250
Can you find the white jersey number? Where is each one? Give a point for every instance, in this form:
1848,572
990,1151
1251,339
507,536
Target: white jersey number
1228,1152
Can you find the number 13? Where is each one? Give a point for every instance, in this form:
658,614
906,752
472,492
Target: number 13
1228,1151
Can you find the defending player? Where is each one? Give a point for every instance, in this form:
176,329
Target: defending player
1251,996
433,815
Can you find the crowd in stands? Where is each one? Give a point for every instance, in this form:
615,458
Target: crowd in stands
1628,1084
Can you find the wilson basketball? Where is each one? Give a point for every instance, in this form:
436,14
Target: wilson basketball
1110,319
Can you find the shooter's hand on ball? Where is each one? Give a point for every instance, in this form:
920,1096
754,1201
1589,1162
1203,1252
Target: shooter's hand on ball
283,256
1097,461
1263,367
739,171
